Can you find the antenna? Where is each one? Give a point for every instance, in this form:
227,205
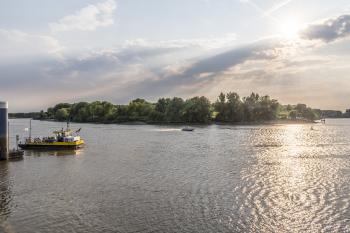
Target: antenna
30,129
17,140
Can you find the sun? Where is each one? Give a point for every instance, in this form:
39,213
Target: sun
290,28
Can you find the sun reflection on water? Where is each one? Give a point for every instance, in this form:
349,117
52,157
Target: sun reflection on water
291,140
292,185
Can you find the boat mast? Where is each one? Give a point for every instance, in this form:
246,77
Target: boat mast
17,140
30,129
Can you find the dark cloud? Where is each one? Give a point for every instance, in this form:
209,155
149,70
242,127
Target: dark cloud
90,73
106,61
138,52
206,71
266,49
105,69
329,30
92,64
19,75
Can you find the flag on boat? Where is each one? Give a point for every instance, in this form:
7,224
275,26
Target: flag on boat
78,130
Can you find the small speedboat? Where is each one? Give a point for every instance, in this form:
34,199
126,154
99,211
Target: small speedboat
188,129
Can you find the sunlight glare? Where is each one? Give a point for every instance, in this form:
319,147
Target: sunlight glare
290,28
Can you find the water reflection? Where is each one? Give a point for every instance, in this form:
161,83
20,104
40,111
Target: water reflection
292,186
5,192
284,178
38,153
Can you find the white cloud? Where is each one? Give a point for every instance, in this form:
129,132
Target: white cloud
227,40
88,18
15,44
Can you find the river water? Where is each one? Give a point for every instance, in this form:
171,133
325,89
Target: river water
273,178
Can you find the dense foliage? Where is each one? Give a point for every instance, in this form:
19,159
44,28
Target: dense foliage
228,108
253,108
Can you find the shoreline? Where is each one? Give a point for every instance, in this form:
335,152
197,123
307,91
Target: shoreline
272,122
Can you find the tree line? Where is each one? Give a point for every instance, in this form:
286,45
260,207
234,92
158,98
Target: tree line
228,108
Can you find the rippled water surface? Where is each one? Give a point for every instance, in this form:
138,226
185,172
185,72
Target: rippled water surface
281,178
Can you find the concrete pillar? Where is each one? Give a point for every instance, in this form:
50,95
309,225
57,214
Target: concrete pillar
3,130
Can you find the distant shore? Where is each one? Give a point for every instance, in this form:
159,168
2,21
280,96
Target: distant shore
228,109
272,122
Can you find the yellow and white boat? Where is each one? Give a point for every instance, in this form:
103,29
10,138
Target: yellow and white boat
62,139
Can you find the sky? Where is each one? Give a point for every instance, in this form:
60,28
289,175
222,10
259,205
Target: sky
296,51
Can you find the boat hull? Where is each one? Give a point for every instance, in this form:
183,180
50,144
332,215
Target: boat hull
52,146
49,147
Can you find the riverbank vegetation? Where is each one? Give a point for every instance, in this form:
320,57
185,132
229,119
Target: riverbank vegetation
228,108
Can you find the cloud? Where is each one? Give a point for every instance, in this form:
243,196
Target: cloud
226,40
78,76
88,18
151,69
265,49
139,68
123,73
282,63
206,71
15,44
328,30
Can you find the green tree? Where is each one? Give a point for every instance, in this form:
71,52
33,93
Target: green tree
121,114
268,108
162,104
251,107
139,110
79,112
62,114
61,105
159,113
50,113
174,110
228,108
234,107
197,110
109,111
220,107
293,114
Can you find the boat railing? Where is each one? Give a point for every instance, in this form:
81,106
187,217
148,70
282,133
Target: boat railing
40,140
